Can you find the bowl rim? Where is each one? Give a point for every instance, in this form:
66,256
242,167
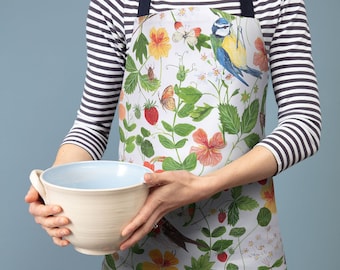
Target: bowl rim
97,190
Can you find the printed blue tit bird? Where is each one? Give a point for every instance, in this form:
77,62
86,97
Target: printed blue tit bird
230,51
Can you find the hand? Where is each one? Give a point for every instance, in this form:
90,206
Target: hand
45,216
168,191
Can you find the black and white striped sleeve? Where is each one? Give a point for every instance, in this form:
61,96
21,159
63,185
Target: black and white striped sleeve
105,57
297,135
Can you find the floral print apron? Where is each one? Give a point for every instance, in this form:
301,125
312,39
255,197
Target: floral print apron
193,98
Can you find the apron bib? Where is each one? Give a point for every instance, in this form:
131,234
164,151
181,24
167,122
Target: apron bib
193,98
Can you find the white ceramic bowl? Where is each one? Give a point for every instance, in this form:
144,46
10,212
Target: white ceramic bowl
99,198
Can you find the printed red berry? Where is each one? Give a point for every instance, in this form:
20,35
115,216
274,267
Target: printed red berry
222,257
150,113
262,182
222,216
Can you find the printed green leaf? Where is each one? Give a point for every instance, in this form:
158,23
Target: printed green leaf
167,126
121,135
221,245
149,85
229,118
237,232
130,83
264,217
140,47
219,231
146,133
263,268
278,263
202,245
203,263
130,65
129,127
147,148
183,129
249,116
166,142
139,139
232,266
246,203
190,162
169,164
252,139
129,147
110,261
206,232
202,41
233,214
236,192
186,110
201,112
136,249
180,143
189,95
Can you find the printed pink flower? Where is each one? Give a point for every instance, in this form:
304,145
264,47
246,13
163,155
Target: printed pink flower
260,58
208,152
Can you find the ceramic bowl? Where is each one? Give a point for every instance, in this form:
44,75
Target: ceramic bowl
99,198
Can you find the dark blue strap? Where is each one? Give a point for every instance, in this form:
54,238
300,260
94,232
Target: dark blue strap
247,8
144,7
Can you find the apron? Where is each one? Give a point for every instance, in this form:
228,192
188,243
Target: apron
193,98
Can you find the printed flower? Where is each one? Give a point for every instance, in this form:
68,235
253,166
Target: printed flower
121,111
159,45
208,152
267,193
159,262
260,58
151,164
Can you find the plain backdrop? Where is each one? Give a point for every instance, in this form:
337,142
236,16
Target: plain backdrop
42,67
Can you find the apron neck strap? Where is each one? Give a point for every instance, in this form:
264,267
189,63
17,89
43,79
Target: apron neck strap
247,8
144,8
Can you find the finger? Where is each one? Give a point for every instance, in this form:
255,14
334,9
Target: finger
143,217
40,209
157,179
32,195
60,242
52,221
138,234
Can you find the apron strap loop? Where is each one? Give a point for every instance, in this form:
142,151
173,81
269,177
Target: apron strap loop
247,8
144,7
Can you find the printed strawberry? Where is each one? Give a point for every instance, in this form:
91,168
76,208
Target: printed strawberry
222,257
262,182
150,112
222,216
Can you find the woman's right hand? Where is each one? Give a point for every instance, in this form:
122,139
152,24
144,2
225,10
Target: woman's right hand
45,215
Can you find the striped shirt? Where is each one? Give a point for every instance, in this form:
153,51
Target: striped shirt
288,42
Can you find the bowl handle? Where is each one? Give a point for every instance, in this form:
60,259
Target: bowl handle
37,184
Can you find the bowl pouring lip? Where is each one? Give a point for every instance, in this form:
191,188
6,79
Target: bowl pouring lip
97,190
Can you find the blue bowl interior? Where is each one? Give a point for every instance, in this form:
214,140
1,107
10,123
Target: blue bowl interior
95,175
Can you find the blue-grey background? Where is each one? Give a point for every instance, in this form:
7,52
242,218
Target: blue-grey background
42,66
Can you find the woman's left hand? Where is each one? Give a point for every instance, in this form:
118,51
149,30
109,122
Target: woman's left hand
168,191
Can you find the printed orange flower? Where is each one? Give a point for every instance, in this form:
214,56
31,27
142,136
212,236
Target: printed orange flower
159,45
208,151
159,262
260,58
267,193
151,164
121,111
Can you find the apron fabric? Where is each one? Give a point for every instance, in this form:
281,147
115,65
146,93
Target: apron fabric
193,98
